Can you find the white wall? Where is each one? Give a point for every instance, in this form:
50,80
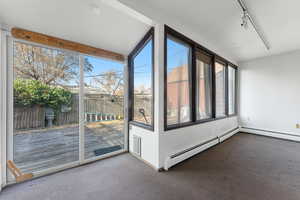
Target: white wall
177,140
270,93
149,145
150,139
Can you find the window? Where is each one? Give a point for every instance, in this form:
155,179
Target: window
141,77
231,90
200,86
203,85
220,81
178,81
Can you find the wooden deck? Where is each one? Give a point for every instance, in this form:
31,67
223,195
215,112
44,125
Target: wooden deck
37,150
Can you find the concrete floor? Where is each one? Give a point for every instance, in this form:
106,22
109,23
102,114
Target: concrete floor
245,167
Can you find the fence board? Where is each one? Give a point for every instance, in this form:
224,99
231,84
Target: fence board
29,117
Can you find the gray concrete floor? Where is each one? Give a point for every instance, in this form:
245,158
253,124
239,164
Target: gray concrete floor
245,167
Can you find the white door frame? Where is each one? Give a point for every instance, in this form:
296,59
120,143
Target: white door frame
4,40
7,141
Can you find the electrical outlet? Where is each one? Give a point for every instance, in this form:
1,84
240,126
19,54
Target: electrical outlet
297,125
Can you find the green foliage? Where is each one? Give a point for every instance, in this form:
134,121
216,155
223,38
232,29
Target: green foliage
34,92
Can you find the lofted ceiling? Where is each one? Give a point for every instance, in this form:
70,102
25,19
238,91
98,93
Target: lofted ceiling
90,22
219,22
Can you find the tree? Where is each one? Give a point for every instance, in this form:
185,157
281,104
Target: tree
110,82
48,66
33,92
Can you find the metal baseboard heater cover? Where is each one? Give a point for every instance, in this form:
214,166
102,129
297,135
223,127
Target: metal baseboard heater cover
189,152
228,134
274,134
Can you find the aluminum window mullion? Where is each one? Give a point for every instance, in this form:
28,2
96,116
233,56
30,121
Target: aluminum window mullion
226,91
10,107
81,109
213,98
126,105
193,82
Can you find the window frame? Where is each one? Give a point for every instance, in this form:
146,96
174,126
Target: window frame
197,49
215,57
184,40
138,48
235,68
225,64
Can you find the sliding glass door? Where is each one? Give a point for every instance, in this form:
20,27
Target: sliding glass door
63,112
103,107
45,107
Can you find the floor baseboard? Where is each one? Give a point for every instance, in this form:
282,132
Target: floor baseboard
274,134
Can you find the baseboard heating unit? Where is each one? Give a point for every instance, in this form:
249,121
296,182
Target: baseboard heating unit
189,152
269,133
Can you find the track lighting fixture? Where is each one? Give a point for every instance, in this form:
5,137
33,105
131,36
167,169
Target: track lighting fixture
246,17
244,23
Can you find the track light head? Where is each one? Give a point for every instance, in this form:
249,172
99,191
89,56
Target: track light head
245,20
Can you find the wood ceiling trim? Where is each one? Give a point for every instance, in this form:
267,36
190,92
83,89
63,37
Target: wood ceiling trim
64,44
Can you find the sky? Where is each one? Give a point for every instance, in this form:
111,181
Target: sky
177,55
143,67
100,66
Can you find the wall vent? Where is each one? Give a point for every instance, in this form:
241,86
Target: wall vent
137,145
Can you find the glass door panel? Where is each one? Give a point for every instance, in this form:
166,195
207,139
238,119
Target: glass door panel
45,107
103,107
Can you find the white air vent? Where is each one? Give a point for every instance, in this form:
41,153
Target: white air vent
137,145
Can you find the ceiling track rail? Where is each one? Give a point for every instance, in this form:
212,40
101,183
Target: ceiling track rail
256,28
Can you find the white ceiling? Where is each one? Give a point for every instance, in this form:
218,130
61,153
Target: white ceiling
218,21
75,20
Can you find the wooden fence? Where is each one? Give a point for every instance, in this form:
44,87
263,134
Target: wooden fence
71,117
97,107
27,118
34,117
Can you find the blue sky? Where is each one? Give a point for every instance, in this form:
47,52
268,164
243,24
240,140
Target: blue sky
101,66
177,56
143,67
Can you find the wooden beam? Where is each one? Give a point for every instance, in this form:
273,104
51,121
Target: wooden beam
64,44
17,172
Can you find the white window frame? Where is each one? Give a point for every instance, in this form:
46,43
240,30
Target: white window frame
3,75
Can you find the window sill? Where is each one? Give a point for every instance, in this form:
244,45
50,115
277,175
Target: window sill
172,127
141,125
